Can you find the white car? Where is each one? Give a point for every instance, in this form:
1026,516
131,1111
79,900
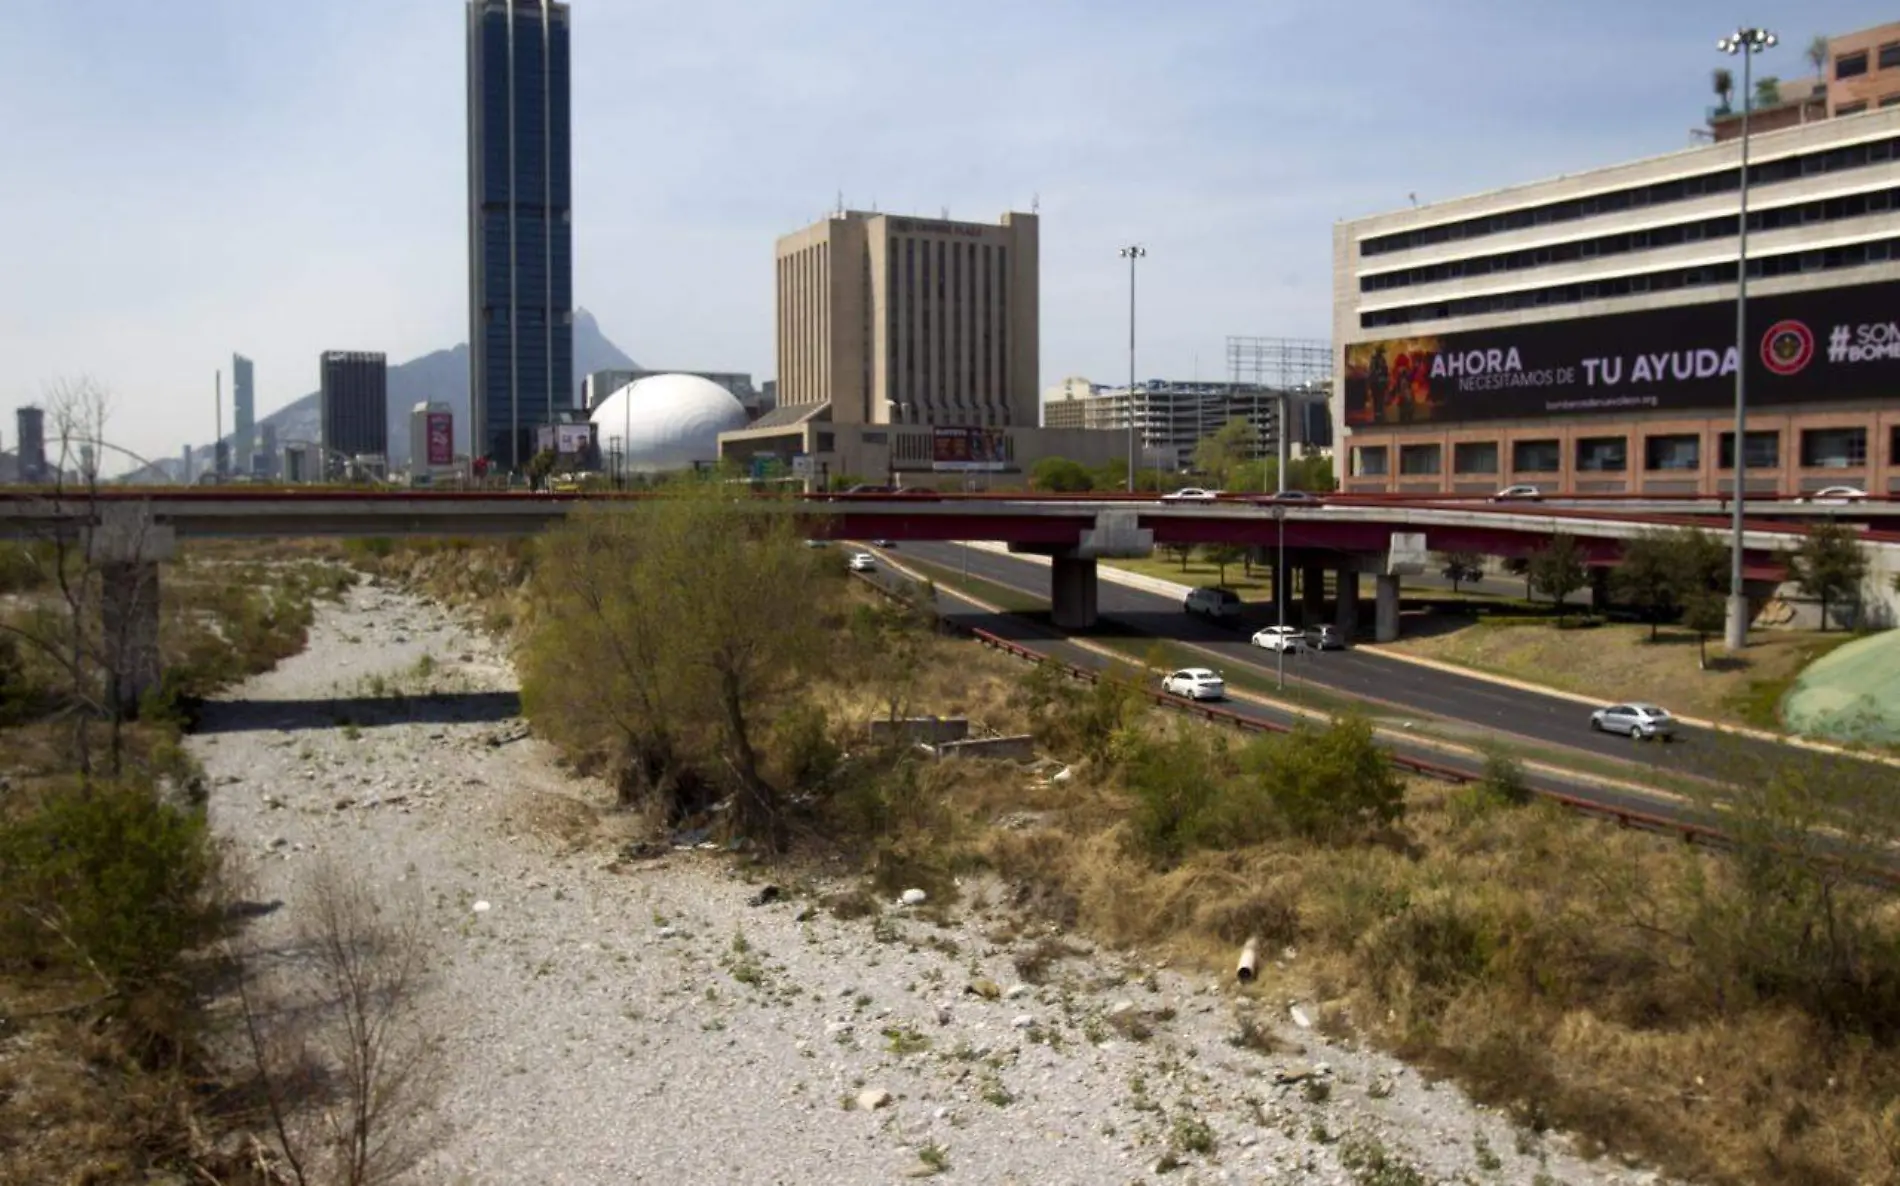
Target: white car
1836,496
1194,683
1280,638
1513,493
863,562
1212,603
1191,494
1639,722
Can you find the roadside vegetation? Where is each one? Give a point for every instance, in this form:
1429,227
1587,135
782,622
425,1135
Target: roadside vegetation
1730,1017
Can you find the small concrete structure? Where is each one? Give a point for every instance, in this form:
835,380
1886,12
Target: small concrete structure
919,730
126,547
1019,748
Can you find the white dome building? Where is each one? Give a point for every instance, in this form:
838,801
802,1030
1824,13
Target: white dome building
667,422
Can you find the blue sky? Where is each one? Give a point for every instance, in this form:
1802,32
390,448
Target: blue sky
183,180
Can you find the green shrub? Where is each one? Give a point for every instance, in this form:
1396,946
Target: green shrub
1504,778
112,882
1177,793
807,751
1329,783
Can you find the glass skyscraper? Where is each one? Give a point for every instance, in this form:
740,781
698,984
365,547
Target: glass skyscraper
520,225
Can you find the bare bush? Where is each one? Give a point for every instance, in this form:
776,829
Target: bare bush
346,1070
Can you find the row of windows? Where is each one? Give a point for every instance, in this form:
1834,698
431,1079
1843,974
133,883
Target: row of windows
1855,64
961,282
1701,230
1821,448
1679,189
1788,263
1859,106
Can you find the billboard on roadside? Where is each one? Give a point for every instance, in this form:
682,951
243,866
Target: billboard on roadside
969,450
1830,345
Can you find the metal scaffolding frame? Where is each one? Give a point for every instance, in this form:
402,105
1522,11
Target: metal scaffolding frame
1279,364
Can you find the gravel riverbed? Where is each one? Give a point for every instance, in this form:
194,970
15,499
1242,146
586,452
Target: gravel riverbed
611,1021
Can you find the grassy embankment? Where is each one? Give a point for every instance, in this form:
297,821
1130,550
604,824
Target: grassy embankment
109,884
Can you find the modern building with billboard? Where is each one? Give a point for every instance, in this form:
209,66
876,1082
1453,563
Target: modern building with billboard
890,328
1579,334
353,406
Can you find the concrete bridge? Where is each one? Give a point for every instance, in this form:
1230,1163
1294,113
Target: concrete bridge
129,532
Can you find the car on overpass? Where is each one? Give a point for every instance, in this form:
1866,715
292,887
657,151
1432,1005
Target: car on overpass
1636,720
1518,494
1835,496
1195,683
1298,498
1280,638
1191,494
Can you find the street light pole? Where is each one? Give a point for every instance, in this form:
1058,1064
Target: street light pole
1280,586
1748,42
1131,253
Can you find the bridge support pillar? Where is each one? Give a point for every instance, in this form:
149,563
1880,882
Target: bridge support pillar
1599,590
126,548
1312,595
1072,590
1386,619
1347,611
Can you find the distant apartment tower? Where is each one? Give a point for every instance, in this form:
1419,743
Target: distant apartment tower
520,234
30,439
896,320
353,405
264,457
243,412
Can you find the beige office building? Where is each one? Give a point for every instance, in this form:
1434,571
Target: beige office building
908,344
1578,333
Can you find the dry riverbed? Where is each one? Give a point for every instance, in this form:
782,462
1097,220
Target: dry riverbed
610,1021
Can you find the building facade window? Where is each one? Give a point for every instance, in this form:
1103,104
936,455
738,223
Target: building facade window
1603,455
1851,65
1764,450
1474,457
1677,451
1889,100
1890,55
1851,108
1419,459
1715,181
1834,448
1893,446
1369,461
1536,457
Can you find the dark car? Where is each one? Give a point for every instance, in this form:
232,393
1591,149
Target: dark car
1292,498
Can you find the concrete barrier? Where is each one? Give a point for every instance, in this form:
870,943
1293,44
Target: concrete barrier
921,730
1010,749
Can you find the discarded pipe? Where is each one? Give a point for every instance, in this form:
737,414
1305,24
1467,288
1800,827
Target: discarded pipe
1248,958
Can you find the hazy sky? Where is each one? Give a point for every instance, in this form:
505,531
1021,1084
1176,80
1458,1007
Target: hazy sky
182,180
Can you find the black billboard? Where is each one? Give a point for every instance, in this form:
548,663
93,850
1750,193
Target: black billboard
1831,345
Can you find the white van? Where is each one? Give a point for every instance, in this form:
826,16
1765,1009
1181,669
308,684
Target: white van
1212,603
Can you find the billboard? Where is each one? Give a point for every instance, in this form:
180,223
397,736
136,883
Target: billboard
969,450
1832,345
565,440
441,429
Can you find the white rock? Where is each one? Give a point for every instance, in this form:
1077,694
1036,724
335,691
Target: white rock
1016,992
915,897
1300,1018
481,907
873,1098
1023,1021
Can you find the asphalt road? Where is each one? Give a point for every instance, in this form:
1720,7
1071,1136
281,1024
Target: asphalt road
1045,639
1475,703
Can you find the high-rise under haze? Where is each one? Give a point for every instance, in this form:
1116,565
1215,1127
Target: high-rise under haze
353,405
243,412
520,232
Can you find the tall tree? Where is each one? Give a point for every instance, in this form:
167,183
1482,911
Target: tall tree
1557,570
1520,566
1459,567
1830,566
1705,612
1179,552
1221,454
1060,475
1650,578
1767,91
1724,86
1816,53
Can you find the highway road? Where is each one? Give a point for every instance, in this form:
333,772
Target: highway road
1364,675
1049,641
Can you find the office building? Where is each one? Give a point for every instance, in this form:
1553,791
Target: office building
520,232
1578,334
185,470
908,345
221,460
353,407
431,440
1860,73
264,459
243,410
30,444
1169,418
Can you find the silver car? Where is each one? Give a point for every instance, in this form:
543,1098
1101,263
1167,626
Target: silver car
1639,722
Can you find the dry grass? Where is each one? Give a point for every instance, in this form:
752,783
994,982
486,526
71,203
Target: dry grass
1618,662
